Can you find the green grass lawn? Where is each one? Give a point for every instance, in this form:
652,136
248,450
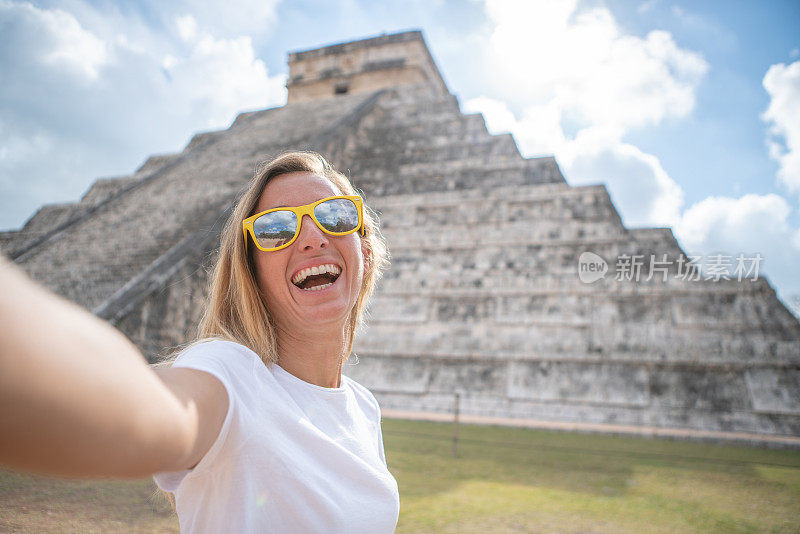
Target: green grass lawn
520,480
503,480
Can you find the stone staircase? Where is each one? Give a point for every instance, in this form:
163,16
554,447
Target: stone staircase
123,226
483,296
414,143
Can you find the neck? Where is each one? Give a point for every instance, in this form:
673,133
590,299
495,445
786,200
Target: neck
314,357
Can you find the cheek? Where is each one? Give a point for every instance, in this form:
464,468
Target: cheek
265,273
353,255
360,258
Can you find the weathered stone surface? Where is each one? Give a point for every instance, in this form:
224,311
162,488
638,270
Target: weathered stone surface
774,390
483,296
395,60
92,258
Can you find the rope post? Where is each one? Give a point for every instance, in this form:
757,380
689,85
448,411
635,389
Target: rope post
455,425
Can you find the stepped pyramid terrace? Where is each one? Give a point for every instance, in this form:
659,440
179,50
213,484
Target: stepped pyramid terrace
483,297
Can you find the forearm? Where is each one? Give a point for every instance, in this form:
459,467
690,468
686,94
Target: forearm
76,397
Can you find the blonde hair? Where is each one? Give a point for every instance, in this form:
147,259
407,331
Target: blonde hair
235,309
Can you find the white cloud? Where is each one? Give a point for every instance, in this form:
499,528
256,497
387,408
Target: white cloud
782,82
538,132
552,52
187,27
570,82
222,75
749,224
498,117
74,46
579,84
229,18
641,189
729,223
105,90
645,195
60,40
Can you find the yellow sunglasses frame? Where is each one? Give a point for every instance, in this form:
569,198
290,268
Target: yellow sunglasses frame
300,212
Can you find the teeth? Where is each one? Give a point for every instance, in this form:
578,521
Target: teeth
319,269
317,288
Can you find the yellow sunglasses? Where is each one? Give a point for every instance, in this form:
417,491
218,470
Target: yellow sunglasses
278,228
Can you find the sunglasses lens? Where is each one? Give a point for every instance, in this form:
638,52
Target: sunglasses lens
275,228
337,215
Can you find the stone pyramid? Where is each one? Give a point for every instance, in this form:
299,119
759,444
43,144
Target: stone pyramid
483,297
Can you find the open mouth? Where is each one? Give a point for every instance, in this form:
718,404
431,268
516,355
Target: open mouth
317,277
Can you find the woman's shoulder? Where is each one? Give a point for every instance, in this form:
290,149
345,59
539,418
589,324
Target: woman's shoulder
217,352
364,396
214,347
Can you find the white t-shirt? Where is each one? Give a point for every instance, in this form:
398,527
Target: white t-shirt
290,457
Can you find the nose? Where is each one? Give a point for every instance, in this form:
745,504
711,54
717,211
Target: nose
311,236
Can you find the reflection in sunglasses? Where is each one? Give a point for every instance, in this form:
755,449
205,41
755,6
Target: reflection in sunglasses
273,230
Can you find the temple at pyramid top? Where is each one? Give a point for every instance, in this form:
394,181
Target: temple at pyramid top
387,61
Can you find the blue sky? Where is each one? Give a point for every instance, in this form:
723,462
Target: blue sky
689,112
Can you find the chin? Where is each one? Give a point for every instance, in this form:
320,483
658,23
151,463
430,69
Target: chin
326,311
322,316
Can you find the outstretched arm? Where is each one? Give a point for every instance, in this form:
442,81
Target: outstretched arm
78,399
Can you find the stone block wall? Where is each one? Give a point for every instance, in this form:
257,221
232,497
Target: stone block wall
369,65
95,256
483,296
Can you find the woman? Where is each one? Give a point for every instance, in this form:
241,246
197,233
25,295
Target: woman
255,430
